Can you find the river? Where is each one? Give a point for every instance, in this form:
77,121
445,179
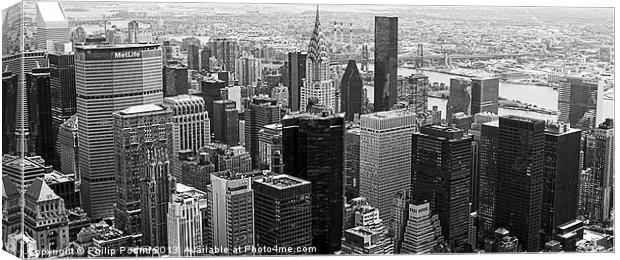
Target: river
544,97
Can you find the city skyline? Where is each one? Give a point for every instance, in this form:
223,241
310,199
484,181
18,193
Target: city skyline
228,129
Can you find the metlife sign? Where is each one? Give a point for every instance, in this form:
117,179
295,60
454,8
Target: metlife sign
127,55
107,54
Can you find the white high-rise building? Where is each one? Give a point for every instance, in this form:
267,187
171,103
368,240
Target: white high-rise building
185,221
385,156
232,211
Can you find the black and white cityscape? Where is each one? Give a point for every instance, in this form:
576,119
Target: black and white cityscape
199,129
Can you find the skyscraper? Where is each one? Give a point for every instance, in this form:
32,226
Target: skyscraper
248,70
576,97
487,189
210,91
416,92
270,148
385,149
476,131
142,140
351,88
386,62
561,177
175,80
225,50
599,154
441,172
460,98
423,230
133,29
520,162
193,56
39,113
205,59
352,162
283,211
190,126
484,95
312,146
232,211
318,88
226,122
147,166
9,111
297,76
185,221
67,147
97,98
52,25
62,92
261,111
400,215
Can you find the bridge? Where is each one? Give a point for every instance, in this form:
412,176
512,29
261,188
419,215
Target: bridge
439,59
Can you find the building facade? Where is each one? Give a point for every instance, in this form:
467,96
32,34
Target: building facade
97,98
386,62
283,211
441,172
520,162
385,143
313,149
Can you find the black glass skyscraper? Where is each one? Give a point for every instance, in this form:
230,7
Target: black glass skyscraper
296,76
39,113
441,169
520,162
487,179
9,111
313,150
561,178
386,62
62,92
351,88
282,211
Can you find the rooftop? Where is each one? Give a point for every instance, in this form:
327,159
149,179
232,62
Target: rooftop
282,181
116,46
389,114
141,109
361,231
56,177
40,191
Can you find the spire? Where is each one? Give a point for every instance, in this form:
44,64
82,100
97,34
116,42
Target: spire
317,47
317,15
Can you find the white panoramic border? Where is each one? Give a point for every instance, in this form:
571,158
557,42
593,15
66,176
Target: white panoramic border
570,3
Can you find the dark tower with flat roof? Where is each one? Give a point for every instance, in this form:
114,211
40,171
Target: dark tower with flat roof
386,62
